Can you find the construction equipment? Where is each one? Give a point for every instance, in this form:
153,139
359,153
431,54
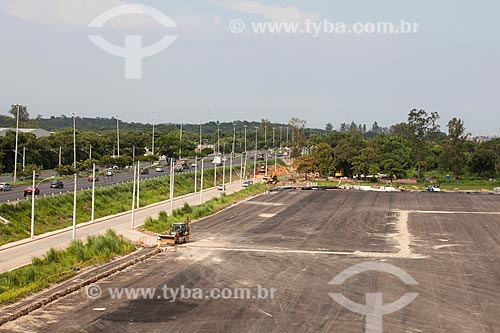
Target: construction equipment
339,173
273,179
262,167
177,235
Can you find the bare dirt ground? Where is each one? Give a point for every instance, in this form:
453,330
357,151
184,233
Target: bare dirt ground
294,243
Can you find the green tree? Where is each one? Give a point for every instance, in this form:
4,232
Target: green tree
24,116
483,162
454,150
366,162
324,157
422,125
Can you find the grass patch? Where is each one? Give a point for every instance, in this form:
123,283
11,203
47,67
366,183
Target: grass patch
165,222
58,265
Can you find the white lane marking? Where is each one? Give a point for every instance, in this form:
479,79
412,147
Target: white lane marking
99,309
267,215
451,212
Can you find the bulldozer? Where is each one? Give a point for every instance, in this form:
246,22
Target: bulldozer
177,235
272,179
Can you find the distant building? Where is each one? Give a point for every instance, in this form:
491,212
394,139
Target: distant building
38,132
481,139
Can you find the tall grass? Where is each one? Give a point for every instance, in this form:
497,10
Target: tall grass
165,222
57,265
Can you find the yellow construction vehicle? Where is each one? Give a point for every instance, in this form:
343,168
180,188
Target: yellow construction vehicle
273,179
177,235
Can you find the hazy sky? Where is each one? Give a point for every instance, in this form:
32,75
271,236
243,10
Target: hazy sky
451,65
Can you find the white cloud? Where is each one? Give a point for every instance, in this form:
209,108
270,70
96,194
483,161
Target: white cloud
71,13
273,12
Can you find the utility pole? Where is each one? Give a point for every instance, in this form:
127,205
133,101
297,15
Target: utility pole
153,138
245,137
17,106
117,134
74,139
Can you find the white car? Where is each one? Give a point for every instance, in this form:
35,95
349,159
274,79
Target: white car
247,183
221,187
159,169
5,187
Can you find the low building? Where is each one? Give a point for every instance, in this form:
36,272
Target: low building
38,132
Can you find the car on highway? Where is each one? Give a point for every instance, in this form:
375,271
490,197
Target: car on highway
193,165
109,173
247,183
89,178
221,187
159,169
5,187
145,171
57,184
29,191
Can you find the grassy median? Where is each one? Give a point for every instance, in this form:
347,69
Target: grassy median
59,265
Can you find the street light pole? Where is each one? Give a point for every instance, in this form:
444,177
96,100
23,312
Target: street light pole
201,182
17,140
33,207
33,188
171,187
74,207
195,173
180,141
232,154
224,176
117,134
74,139
132,222
273,136
265,134
93,193
218,139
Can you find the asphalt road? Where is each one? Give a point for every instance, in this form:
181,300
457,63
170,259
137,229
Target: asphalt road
121,176
294,243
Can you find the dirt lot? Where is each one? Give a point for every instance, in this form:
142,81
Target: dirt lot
291,245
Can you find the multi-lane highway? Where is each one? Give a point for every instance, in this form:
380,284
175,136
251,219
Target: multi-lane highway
120,176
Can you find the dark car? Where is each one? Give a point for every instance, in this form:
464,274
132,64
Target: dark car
29,191
145,171
57,184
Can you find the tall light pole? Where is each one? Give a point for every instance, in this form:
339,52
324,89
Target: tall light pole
17,106
281,135
74,139
273,136
195,173
255,156
180,140
132,222
218,138
201,181
74,206
153,138
93,194
172,187
117,134
232,154
265,134
33,203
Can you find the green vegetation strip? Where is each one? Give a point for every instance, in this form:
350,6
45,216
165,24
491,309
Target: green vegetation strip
56,212
165,222
458,185
59,265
